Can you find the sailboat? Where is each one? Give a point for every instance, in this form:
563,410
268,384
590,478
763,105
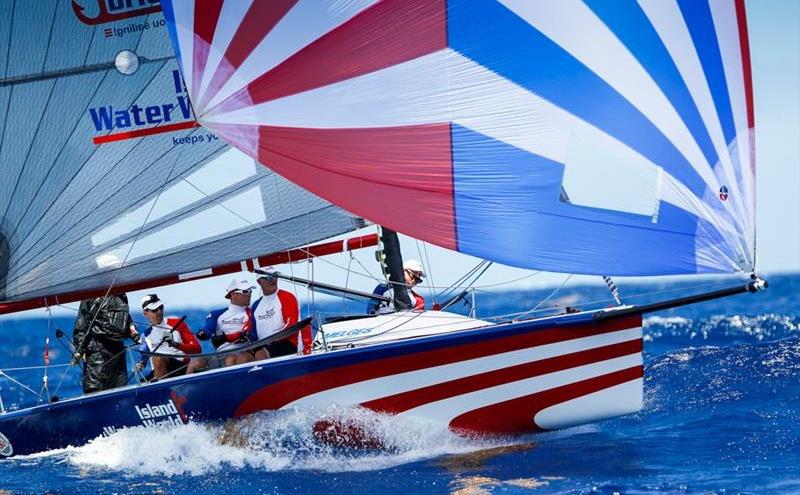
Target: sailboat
578,137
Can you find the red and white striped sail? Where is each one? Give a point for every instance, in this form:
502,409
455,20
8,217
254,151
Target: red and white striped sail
585,137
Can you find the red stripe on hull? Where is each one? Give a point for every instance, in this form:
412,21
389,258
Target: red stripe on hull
257,23
384,174
396,404
516,415
385,34
282,393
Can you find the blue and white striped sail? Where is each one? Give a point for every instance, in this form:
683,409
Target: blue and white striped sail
595,137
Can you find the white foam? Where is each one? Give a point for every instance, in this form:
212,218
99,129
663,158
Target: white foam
666,320
270,441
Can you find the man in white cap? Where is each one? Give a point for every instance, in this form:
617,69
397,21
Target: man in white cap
275,310
230,328
165,335
414,274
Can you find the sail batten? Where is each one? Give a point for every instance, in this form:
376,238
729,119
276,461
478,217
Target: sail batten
482,117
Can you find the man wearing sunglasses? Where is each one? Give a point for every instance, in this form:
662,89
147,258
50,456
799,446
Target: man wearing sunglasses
166,335
275,310
229,328
413,274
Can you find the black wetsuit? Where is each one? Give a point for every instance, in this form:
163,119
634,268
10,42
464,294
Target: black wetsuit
100,330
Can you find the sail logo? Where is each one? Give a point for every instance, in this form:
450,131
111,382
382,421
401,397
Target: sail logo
723,193
115,10
167,413
6,450
108,118
142,120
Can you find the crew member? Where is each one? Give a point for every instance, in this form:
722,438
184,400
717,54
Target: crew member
412,269
275,310
102,325
229,328
168,335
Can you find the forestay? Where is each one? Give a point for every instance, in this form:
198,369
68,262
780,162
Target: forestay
587,137
106,175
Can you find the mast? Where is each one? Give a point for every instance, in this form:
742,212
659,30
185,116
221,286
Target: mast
392,266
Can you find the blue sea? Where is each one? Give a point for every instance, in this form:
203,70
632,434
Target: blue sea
721,415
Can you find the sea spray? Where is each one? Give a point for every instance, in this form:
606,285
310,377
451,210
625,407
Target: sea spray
271,441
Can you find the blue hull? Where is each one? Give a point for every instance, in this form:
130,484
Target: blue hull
222,394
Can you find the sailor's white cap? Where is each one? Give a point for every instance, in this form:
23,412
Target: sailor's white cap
415,266
151,302
238,284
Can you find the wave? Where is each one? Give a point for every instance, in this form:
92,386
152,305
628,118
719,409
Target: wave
713,378
271,441
720,329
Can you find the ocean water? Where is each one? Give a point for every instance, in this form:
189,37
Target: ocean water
721,415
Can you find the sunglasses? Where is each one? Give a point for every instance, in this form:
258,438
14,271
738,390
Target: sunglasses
245,291
415,276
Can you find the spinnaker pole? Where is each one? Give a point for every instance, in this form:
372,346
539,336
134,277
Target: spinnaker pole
754,285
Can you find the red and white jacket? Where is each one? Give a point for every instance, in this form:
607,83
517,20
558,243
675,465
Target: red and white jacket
277,311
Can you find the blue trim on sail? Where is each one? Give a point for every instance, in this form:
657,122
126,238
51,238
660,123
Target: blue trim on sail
698,19
508,207
496,38
169,15
632,27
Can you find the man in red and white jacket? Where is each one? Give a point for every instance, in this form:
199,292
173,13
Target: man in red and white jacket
274,311
168,336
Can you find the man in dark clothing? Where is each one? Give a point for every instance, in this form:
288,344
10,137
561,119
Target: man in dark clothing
101,327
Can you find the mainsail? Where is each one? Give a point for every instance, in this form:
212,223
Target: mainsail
586,137
107,178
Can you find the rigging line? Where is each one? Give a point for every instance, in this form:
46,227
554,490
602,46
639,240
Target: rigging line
91,212
366,273
83,165
19,383
431,283
609,299
550,296
130,249
347,281
31,368
480,288
47,352
261,228
452,300
446,291
451,289
428,280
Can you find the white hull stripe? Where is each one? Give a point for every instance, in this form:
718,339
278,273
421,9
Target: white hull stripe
369,390
447,409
